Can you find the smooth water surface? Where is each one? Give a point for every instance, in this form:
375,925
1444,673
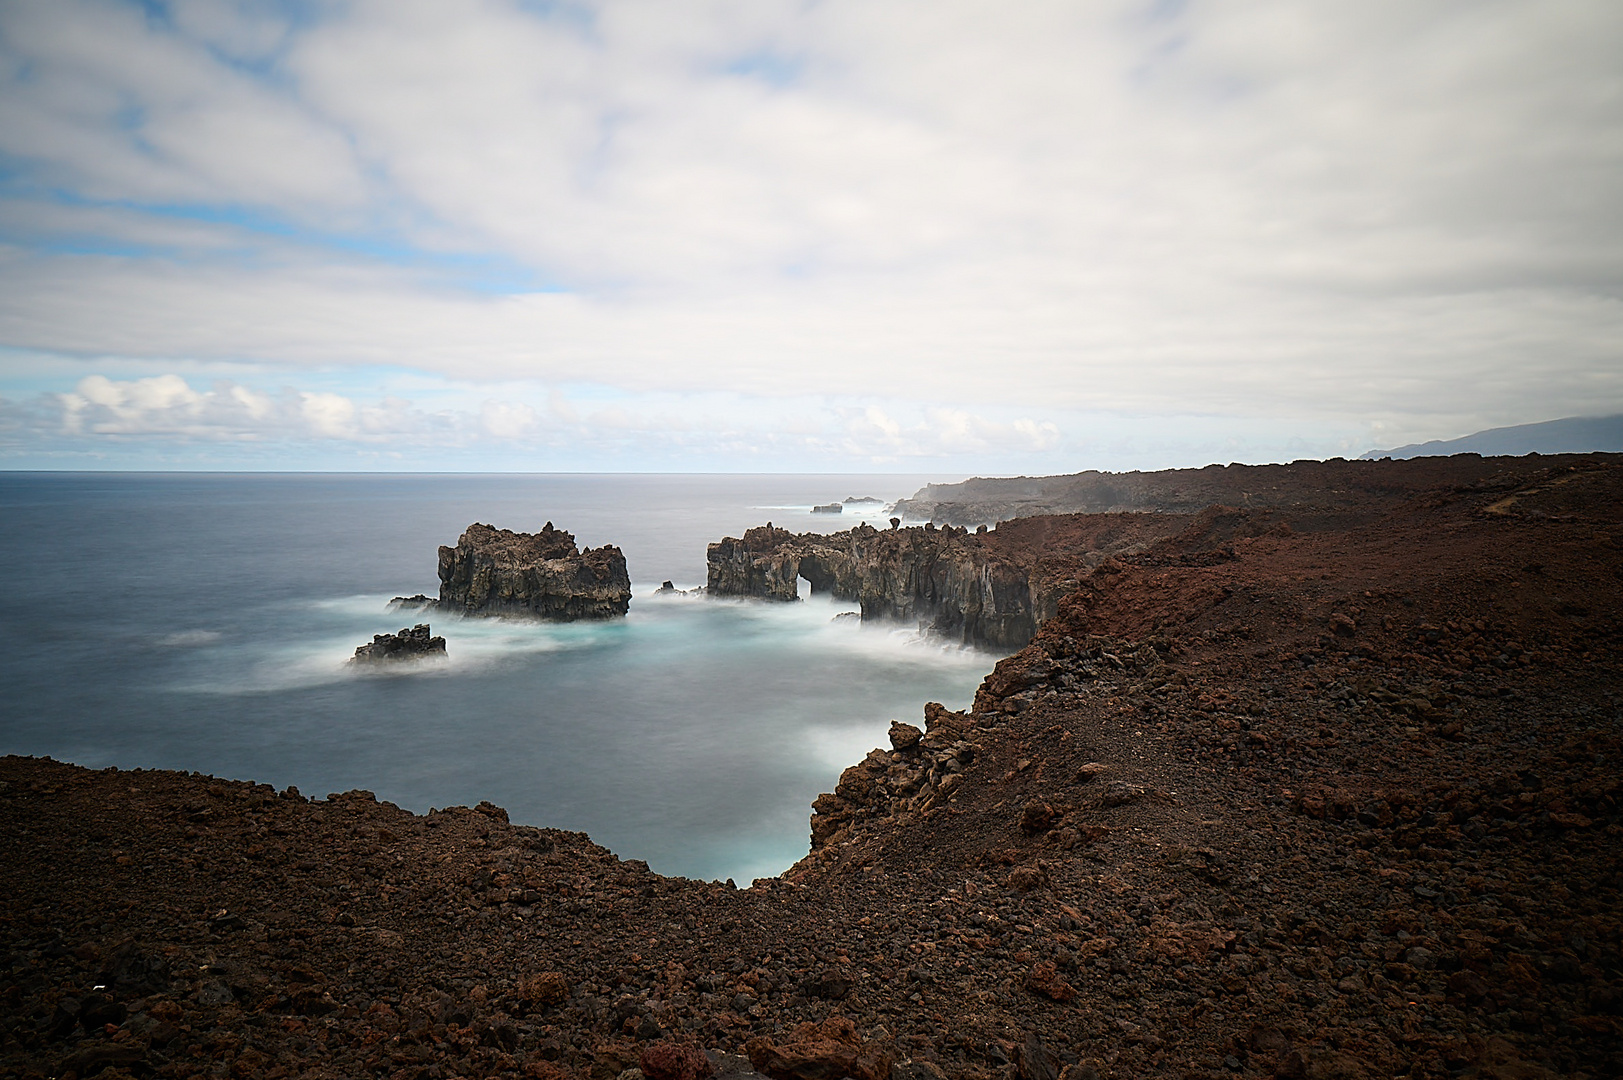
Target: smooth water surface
202,622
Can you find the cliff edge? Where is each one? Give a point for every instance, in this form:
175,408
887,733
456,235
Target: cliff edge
991,589
1316,495
1302,805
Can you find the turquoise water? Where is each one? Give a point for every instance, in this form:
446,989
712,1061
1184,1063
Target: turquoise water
202,622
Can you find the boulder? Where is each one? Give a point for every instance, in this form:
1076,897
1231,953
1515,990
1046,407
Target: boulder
826,1051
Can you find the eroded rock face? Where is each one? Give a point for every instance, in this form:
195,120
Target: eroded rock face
944,579
498,572
412,643
991,589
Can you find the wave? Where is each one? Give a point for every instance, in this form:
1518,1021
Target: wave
189,639
318,637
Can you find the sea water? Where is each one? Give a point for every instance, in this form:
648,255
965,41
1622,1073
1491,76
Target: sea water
203,622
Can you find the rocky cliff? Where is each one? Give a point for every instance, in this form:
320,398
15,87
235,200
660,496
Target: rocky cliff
946,580
989,588
1297,805
497,572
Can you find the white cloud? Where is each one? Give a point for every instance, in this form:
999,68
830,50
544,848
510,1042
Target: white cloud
122,109
329,415
1382,212
507,419
874,435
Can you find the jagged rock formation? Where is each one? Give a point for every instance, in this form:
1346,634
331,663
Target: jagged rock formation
498,572
921,770
412,643
990,589
944,579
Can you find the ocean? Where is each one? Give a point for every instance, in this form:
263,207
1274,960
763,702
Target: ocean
202,622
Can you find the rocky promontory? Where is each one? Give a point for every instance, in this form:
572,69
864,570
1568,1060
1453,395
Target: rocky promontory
494,571
1341,804
986,588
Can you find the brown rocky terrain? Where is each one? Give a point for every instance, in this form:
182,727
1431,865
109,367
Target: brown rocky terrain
499,572
1316,494
1256,801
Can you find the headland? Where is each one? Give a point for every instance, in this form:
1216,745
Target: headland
1328,796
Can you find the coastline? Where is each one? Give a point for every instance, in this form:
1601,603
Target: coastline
1343,804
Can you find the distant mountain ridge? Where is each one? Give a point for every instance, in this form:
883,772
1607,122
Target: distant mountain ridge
1572,435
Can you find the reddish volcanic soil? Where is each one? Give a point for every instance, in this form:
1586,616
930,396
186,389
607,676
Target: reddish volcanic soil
1321,802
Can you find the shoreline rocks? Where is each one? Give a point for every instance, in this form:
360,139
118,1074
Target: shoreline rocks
942,579
494,571
412,643
987,589
1191,831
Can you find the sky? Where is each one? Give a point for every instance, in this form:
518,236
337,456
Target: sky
800,235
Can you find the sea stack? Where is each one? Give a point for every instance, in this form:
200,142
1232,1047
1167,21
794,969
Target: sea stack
411,643
544,575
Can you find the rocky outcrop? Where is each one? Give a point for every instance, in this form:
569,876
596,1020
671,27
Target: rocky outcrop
989,589
412,643
947,580
920,771
497,572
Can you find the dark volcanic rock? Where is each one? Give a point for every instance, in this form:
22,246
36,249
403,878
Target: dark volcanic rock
1276,851
987,589
826,1051
941,579
1326,493
497,572
411,643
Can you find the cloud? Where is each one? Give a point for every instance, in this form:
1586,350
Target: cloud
168,407
874,435
508,420
236,419
1382,212
328,415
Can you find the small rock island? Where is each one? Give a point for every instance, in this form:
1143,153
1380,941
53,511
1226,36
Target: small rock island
411,643
498,572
